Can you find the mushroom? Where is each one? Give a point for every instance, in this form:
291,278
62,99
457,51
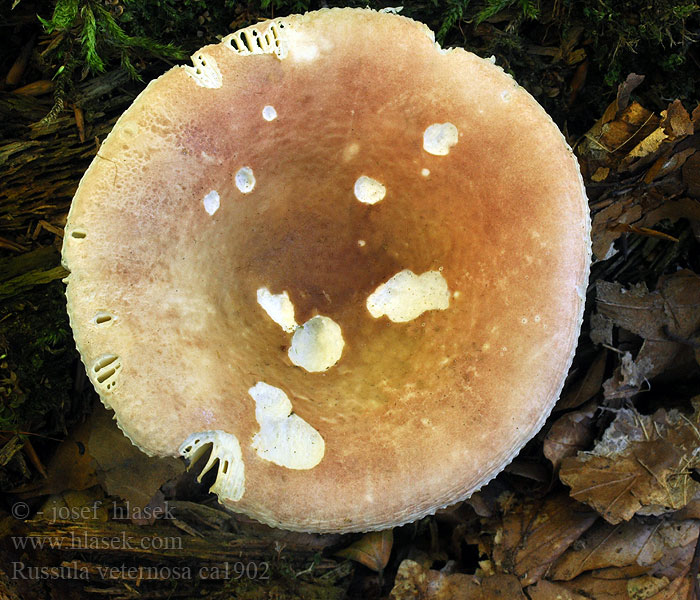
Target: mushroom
349,262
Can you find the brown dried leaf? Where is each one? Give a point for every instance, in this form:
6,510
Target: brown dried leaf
637,213
372,549
536,533
647,147
626,139
676,120
588,387
642,465
604,588
674,305
70,467
625,89
415,582
666,318
124,470
680,588
660,548
546,590
570,40
690,510
620,129
605,224
601,332
683,208
691,174
633,125
601,174
675,125
569,434
83,505
618,584
667,163
628,378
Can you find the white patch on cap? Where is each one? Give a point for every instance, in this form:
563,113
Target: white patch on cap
368,190
252,40
211,202
425,172
230,477
361,243
407,296
350,151
245,180
317,345
439,138
305,52
279,307
284,439
269,113
302,45
205,71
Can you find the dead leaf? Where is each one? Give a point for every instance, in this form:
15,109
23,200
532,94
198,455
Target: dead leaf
569,434
691,174
640,212
416,582
605,222
602,588
683,208
645,148
569,43
674,126
601,332
624,90
534,534
70,467
634,125
671,578
590,385
629,377
625,140
372,549
661,548
642,465
674,305
83,505
124,470
600,174
546,590
667,163
666,318
676,120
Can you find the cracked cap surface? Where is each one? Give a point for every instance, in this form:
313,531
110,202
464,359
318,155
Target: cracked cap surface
414,415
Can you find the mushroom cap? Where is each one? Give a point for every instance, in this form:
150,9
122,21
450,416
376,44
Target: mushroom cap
242,174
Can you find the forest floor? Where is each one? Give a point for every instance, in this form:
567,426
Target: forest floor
603,504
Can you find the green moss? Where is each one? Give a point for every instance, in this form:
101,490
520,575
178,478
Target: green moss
37,362
89,35
638,35
293,6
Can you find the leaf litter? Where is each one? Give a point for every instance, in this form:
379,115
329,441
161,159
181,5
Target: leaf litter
604,504
619,518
